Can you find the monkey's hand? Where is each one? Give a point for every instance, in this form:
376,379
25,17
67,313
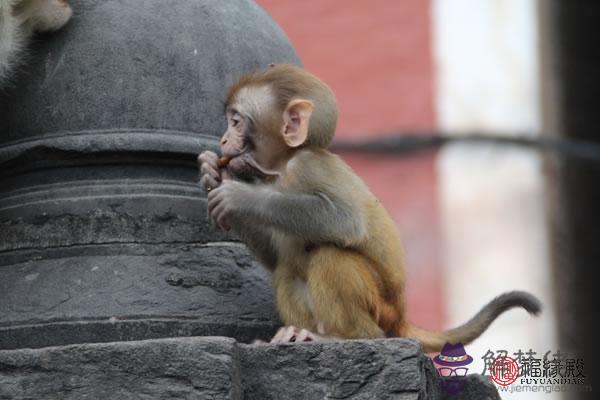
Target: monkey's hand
210,173
227,202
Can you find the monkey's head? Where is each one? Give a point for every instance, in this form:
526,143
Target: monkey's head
272,113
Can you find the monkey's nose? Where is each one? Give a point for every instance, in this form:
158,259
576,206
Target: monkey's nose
223,141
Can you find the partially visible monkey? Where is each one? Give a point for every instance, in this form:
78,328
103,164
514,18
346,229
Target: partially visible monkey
19,19
335,254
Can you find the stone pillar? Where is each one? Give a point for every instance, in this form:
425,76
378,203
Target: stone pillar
103,228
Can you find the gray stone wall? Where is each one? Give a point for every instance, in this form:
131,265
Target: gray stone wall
103,228
220,368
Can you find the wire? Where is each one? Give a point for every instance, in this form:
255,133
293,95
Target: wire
396,144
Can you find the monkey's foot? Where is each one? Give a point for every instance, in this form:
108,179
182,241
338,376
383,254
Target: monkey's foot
290,334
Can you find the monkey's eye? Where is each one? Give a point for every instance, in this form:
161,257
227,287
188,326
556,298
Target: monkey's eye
235,121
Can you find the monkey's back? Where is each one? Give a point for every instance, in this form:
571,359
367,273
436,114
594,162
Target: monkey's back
381,245
325,172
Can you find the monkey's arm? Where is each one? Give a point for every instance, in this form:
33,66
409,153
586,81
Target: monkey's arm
318,217
258,241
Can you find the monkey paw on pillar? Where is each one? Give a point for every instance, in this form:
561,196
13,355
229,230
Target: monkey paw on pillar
103,228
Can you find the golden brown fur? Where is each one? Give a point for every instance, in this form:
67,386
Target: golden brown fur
324,119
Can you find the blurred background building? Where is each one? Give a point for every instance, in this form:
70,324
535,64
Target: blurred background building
473,217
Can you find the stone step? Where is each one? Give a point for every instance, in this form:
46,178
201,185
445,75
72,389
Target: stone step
221,368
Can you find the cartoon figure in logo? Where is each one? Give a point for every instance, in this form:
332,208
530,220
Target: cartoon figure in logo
451,367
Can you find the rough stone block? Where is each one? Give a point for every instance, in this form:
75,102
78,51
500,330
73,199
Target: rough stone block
358,369
182,368
221,368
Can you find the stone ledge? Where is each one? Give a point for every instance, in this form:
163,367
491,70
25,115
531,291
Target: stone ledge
221,368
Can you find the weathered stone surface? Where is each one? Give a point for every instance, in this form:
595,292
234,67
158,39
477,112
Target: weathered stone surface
184,368
103,228
361,369
476,387
119,293
120,66
220,368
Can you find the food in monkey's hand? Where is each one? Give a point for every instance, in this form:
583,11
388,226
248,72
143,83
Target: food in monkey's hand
245,167
223,162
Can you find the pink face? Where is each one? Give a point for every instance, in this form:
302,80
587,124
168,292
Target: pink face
237,146
249,153
235,139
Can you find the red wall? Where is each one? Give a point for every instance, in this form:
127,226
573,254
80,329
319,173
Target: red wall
376,56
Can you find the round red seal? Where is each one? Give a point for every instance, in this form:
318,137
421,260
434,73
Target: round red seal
504,370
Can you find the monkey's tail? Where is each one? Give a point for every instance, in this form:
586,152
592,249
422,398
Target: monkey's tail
433,342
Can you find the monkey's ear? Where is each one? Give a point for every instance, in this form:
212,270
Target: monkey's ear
296,118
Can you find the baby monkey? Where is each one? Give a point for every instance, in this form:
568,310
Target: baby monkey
334,252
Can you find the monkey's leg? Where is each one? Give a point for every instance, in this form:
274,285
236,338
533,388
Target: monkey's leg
344,294
292,298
